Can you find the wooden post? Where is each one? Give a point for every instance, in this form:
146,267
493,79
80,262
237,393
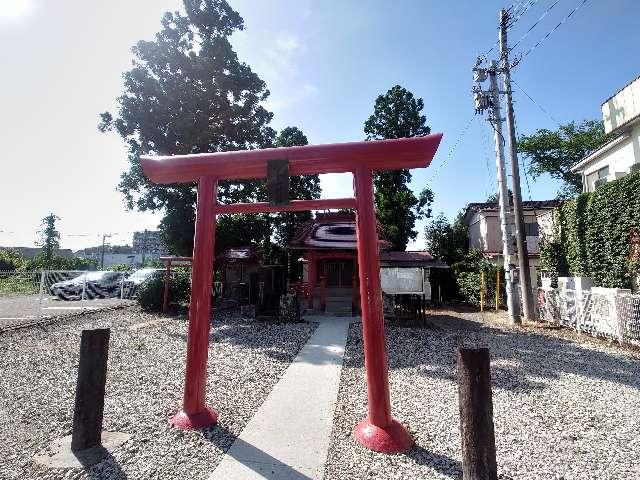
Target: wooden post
323,294
167,280
354,289
92,377
476,415
482,291
497,290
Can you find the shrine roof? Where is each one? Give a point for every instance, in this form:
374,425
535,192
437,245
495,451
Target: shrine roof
331,230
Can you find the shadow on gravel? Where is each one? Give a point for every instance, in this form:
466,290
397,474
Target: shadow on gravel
250,456
273,338
520,360
107,468
440,463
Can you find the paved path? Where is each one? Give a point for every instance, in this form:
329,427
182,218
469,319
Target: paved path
288,437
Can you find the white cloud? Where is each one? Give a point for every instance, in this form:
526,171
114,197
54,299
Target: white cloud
287,43
277,102
10,9
277,61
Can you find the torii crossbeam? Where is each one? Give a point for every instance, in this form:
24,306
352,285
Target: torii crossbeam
379,431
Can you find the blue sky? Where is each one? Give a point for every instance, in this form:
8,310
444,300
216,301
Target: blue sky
324,62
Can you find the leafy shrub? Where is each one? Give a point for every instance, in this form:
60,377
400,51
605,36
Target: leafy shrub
468,275
10,259
150,293
121,267
57,262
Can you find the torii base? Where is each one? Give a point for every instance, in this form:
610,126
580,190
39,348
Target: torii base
393,439
202,419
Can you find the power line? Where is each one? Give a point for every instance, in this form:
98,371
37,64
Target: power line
544,14
518,15
520,159
564,20
518,10
452,149
490,176
536,103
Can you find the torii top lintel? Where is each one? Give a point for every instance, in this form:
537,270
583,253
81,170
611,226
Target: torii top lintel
393,154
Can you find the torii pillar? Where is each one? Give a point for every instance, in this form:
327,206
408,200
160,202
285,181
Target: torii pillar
378,431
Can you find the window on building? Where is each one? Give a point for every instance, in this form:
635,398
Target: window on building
531,229
597,175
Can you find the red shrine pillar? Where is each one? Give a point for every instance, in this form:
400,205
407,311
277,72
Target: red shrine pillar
195,413
379,431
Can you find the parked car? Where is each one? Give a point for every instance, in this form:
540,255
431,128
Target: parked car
133,281
95,284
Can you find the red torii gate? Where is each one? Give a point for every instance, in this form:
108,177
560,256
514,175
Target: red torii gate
379,431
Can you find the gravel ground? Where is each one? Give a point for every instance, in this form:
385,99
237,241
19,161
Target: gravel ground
144,387
565,407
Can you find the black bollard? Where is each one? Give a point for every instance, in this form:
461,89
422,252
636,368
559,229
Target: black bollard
476,415
92,376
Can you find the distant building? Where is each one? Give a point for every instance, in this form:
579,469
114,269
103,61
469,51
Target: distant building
110,259
149,242
485,234
31,252
621,154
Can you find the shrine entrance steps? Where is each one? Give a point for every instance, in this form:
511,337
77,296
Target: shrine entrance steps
338,306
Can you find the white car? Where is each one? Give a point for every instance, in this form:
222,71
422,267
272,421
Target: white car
133,281
95,285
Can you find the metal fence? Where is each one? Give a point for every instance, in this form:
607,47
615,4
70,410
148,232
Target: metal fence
610,315
31,296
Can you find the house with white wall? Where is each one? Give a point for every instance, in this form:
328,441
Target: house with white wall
621,154
484,233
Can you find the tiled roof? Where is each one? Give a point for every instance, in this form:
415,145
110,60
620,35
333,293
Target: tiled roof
526,205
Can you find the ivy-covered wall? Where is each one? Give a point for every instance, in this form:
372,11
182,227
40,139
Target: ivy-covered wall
592,234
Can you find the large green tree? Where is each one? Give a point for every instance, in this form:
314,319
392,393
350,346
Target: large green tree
495,197
445,240
49,237
397,114
556,151
189,93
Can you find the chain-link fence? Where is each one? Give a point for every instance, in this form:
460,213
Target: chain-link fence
603,314
29,297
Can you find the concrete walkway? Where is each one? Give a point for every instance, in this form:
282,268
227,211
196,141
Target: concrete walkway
289,435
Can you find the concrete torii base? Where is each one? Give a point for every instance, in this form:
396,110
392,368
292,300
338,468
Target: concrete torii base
63,457
393,439
203,419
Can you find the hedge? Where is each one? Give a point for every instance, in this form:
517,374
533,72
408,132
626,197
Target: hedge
467,274
150,293
592,234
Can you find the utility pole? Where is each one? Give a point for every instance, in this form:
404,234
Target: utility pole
491,100
104,236
521,239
